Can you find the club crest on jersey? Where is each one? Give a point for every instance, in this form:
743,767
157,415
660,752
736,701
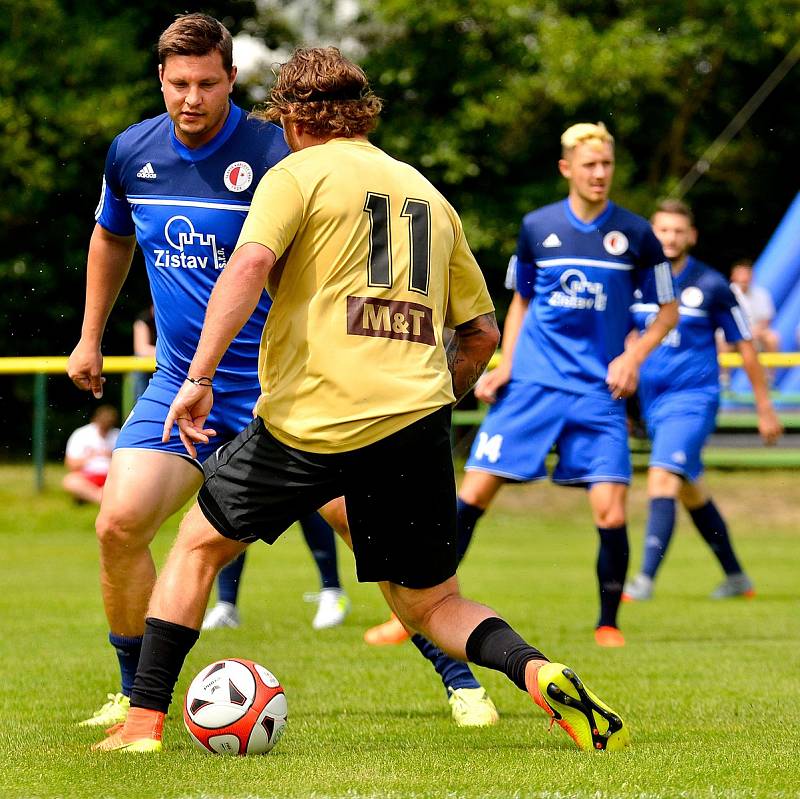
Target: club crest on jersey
615,242
692,297
189,249
238,176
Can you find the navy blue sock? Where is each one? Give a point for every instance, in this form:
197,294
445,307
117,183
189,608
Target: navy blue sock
712,527
612,566
229,580
454,673
128,650
467,516
660,526
321,541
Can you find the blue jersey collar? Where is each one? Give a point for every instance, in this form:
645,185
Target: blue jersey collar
587,227
686,273
209,148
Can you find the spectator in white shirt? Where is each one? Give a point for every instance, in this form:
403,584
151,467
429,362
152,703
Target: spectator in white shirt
757,304
88,455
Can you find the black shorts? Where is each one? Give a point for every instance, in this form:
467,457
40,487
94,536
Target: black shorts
400,495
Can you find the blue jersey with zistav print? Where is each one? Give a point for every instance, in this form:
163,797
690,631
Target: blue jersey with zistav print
687,356
580,280
186,207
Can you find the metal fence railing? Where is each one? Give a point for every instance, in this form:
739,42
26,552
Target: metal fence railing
41,367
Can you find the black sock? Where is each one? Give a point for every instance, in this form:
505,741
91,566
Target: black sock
495,645
712,527
229,580
612,566
164,648
467,516
321,540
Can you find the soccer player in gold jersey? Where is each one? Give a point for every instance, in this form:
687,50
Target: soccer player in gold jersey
367,264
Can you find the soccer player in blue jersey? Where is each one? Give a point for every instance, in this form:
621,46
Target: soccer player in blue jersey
564,372
180,185
679,393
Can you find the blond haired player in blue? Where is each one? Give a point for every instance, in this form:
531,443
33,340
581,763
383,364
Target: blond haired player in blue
564,372
368,264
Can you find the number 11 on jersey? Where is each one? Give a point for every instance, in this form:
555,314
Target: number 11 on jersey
379,262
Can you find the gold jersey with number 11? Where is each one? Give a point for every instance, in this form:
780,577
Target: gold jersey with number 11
372,265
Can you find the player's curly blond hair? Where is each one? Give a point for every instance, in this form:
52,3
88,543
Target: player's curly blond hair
325,93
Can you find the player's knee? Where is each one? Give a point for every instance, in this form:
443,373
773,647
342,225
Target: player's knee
200,540
121,530
609,514
417,608
479,489
335,514
611,518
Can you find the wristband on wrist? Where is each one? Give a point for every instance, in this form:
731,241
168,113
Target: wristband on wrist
200,381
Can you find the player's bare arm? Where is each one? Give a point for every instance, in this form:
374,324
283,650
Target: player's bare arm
487,386
107,267
233,300
470,350
623,371
769,426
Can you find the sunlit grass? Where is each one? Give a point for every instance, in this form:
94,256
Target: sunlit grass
711,690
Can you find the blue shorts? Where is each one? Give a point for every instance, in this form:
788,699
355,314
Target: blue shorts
678,424
231,413
589,432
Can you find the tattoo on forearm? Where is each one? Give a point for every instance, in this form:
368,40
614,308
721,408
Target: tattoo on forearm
469,352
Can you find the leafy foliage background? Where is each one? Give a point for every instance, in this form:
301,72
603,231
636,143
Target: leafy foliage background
477,94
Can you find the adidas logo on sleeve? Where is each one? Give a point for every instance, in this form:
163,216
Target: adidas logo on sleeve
147,172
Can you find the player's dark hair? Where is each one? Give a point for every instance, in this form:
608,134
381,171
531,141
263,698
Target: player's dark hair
745,262
675,207
325,93
196,34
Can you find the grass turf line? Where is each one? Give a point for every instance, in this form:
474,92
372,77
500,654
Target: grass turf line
710,689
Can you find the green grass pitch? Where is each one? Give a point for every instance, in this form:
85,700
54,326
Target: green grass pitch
711,690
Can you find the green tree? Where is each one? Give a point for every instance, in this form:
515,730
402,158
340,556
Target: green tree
72,76
477,94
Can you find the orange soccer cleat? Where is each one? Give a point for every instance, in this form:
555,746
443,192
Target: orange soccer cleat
390,632
609,636
141,732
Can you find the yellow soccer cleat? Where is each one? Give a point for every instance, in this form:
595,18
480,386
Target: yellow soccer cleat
112,712
580,713
472,707
140,733
116,743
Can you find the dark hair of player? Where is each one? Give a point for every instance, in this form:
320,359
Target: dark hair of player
321,90
196,34
675,207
